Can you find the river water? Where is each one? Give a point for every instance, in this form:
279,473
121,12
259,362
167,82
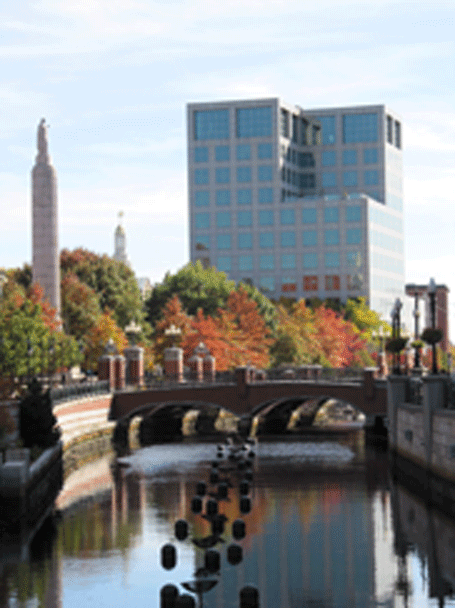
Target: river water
328,528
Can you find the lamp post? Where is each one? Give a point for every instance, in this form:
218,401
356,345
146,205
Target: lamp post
432,296
416,330
173,332
396,328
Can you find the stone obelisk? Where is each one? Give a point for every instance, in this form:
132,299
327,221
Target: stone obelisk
46,263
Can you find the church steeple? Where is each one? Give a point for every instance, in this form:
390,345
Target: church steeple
120,242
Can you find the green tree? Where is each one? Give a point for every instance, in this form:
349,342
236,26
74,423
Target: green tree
37,423
80,306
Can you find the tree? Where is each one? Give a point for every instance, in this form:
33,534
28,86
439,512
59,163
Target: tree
173,314
37,423
80,306
98,336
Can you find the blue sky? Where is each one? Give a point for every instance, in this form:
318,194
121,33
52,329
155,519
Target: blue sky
112,78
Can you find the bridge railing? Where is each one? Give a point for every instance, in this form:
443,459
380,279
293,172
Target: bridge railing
315,373
79,391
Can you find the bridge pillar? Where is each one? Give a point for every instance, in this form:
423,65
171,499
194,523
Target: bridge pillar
397,392
208,366
433,398
173,363
119,372
369,375
134,356
195,365
106,370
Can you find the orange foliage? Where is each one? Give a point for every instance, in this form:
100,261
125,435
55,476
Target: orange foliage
48,314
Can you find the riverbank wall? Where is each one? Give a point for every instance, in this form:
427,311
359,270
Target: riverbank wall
421,423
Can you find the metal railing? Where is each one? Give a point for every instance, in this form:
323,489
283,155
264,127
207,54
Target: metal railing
78,391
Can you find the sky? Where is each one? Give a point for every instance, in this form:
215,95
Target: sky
113,77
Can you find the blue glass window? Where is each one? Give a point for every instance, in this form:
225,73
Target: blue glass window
349,157
328,129
222,175
331,214
223,241
224,263
359,128
310,260
287,216
266,218
371,177
223,197
288,239
254,122
329,179
201,155
288,260
243,152
265,195
202,241
331,237
267,284
243,174
309,216
353,258
353,236
244,218
265,151
245,240
222,153
310,238
353,213
211,124
201,176
244,196
332,259
223,219
265,173
350,178
266,261
202,220
329,158
201,198
266,239
370,156
245,262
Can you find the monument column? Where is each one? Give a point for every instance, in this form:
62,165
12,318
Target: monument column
46,263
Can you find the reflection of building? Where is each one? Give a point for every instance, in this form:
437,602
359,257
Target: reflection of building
302,203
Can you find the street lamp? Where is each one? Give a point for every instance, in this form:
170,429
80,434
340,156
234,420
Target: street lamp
173,332
416,331
432,296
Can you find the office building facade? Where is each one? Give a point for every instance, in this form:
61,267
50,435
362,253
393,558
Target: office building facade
300,203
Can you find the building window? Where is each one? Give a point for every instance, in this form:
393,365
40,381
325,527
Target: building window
265,195
224,263
222,175
223,197
267,284
266,218
310,260
328,129
254,122
350,178
353,259
359,128
202,242
329,179
201,198
331,237
265,173
201,155
328,158
353,236
331,214
332,282
310,282
349,157
245,240
284,124
243,174
222,153
288,239
397,134
266,239
309,215
244,196
310,238
332,259
265,151
244,218
353,213
370,156
202,220
223,241
288,284
223,219
371,177
287,217
201,176
266,261
243,152
211,124
295,128
307,180
288,260
389,129
245,262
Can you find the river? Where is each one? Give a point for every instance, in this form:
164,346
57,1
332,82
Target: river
328,528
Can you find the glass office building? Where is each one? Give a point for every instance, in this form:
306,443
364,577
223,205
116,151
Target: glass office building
300,203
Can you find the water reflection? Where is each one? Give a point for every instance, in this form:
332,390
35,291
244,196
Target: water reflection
326,530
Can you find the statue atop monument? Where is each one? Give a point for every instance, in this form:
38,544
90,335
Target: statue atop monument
42,141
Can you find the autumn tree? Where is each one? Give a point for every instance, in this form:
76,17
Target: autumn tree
172,315
99,335
80,306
